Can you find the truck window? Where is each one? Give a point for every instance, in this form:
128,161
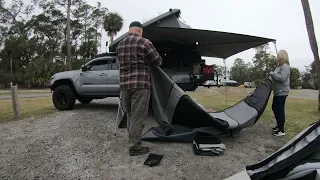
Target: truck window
113,64
98,65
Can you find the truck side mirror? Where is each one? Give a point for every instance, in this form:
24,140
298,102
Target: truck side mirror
83,68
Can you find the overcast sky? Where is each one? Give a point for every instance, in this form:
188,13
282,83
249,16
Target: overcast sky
282,20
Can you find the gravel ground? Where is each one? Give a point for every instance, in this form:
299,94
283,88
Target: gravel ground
80,144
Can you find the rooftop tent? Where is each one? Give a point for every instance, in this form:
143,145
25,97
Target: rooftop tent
168,19
178,116
167,29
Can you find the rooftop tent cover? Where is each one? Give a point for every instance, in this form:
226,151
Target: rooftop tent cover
180,118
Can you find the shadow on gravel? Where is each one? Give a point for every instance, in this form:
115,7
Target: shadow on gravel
96,106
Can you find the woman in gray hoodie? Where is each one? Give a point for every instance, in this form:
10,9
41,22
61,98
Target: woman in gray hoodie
281,89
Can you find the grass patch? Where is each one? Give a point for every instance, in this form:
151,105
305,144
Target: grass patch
28,107
300,113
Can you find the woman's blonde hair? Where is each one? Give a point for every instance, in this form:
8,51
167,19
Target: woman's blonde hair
282,57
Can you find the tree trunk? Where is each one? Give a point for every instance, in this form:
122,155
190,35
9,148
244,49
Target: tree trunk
68,36
96,36
111,37
100,40
11,65
313,41
64,55
85,38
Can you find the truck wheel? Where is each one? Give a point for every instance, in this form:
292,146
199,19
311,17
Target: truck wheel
63,98
85,100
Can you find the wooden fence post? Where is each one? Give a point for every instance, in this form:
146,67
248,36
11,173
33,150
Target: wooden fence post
15,101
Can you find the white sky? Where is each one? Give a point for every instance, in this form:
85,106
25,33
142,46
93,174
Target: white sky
282,20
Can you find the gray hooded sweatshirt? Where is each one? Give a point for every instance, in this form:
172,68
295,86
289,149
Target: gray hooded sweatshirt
281,79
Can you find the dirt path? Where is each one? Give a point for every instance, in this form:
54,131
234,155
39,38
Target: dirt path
80,144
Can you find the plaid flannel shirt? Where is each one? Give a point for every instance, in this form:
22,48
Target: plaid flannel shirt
135,56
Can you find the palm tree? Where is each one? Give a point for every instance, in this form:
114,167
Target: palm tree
69,36
312,40
112,24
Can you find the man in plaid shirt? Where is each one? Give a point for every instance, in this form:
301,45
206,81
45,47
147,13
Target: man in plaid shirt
135,56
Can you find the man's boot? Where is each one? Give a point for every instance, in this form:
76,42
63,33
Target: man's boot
138,151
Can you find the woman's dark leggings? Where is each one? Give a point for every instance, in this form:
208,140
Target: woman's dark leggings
278,108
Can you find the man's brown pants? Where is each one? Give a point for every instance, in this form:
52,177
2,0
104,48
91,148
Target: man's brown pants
135,103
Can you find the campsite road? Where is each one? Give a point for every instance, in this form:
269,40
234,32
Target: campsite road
304,94
80,144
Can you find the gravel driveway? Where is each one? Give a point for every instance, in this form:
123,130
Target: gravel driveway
80,144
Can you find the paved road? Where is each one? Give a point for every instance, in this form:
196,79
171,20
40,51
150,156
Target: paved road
27,90
26,95
304,94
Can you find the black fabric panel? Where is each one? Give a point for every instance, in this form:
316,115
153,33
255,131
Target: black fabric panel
270,158
274,171
190,114
260,97
284,172
178,134
160,79
313,158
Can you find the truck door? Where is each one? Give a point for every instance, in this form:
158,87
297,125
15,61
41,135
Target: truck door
93,81
113,77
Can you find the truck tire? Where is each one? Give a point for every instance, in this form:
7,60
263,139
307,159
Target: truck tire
63,98
85,100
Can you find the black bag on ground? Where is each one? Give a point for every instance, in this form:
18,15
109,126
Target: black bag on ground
153,160
207,145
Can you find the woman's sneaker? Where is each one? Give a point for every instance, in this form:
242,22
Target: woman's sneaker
279,133
275,129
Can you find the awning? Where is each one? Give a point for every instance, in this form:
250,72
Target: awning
207,43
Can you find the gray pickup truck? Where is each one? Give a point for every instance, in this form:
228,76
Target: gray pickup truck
99,78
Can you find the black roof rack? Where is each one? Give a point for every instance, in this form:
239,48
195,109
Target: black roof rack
106,54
